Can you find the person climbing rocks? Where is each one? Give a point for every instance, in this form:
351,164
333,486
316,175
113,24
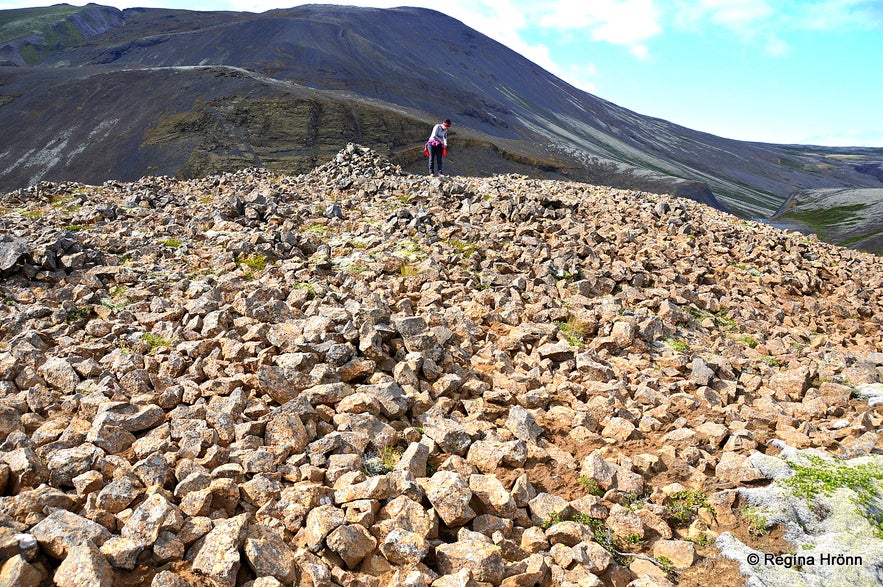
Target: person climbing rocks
437,147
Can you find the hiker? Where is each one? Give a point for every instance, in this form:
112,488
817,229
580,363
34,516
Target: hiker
437,146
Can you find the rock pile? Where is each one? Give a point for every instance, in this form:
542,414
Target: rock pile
358,377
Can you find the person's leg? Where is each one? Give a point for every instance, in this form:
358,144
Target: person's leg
441,158
435,158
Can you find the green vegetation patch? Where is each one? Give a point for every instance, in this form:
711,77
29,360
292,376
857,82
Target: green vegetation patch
575,331
256,262
381,462
24,21
821,219
824,477
154,341
680,346
683,505
591,486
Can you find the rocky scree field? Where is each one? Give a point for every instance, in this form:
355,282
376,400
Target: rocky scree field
361,377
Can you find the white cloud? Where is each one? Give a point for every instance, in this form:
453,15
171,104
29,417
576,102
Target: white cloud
848,138
776,47
640,51
621,22
736,13
842,14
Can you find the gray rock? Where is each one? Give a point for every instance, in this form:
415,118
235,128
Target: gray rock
523,425
449,434
154,515
12,250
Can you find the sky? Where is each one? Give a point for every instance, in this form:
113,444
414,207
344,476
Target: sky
778,71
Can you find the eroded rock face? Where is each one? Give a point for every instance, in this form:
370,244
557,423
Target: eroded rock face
359,377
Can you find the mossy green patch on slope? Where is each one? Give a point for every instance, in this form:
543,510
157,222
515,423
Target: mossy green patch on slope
24,21
822,219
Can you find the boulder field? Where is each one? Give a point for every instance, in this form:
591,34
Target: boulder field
365,378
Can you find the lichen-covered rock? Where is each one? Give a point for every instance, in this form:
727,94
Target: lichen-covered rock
449,494
218,558
62,530
484,560
84,565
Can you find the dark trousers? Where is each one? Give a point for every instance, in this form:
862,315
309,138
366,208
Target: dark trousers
435,154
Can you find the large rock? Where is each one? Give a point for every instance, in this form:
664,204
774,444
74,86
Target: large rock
268,555
12,250
63,530
320,522
792,383
154,515
492,495
484,560
352,542
218,557
449,494
84,565
18,572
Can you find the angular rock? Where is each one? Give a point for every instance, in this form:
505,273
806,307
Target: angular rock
484,560
450,495
352,542
84,565
62,530
268,555
218,557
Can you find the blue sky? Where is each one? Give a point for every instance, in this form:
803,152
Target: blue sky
781,71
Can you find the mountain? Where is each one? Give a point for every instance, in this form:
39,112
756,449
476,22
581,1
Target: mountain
95,93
